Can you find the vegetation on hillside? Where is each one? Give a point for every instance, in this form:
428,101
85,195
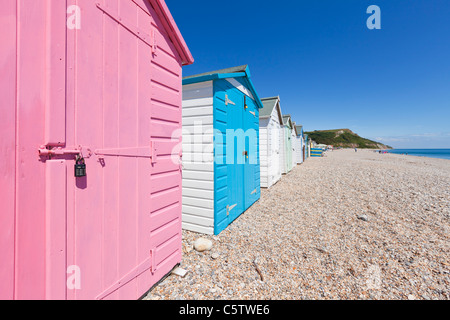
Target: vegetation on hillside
344,138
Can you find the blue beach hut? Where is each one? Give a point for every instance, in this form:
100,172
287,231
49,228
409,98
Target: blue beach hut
221,165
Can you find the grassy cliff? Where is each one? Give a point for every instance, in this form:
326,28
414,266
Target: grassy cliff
344,138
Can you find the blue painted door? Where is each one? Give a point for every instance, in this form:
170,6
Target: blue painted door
235,163
237,181
251,126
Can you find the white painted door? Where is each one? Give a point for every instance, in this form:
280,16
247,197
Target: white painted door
282,149
275,153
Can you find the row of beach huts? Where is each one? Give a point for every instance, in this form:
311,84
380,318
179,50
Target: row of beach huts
234,143
107,152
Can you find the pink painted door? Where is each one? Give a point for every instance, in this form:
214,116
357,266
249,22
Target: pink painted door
123,109
107,86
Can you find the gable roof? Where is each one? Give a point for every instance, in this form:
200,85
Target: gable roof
294,128
174,33
234,72
299,129
287,121
286,118
268,105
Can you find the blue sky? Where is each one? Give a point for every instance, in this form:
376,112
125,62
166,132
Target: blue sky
329,69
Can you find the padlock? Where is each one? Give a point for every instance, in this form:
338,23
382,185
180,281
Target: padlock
80,167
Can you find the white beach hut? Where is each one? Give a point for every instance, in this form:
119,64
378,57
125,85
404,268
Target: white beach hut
270,140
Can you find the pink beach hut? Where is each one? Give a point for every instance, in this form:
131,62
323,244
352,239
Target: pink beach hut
90,123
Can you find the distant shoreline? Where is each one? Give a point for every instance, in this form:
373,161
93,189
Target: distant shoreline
424,153
443,154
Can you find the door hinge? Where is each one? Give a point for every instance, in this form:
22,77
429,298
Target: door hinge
228,101
229,208
153,42
138,152
152,261
147,264
150,40
180,157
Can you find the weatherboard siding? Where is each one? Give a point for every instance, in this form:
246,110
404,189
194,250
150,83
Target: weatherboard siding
198,158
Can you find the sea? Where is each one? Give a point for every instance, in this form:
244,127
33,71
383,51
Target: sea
430,153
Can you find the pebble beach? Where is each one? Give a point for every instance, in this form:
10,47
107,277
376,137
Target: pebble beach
350,225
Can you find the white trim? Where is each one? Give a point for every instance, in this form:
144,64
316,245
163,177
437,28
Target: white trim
240,87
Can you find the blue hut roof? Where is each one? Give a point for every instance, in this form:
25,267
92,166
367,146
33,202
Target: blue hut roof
234,72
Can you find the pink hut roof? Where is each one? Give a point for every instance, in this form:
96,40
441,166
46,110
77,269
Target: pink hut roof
174,33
